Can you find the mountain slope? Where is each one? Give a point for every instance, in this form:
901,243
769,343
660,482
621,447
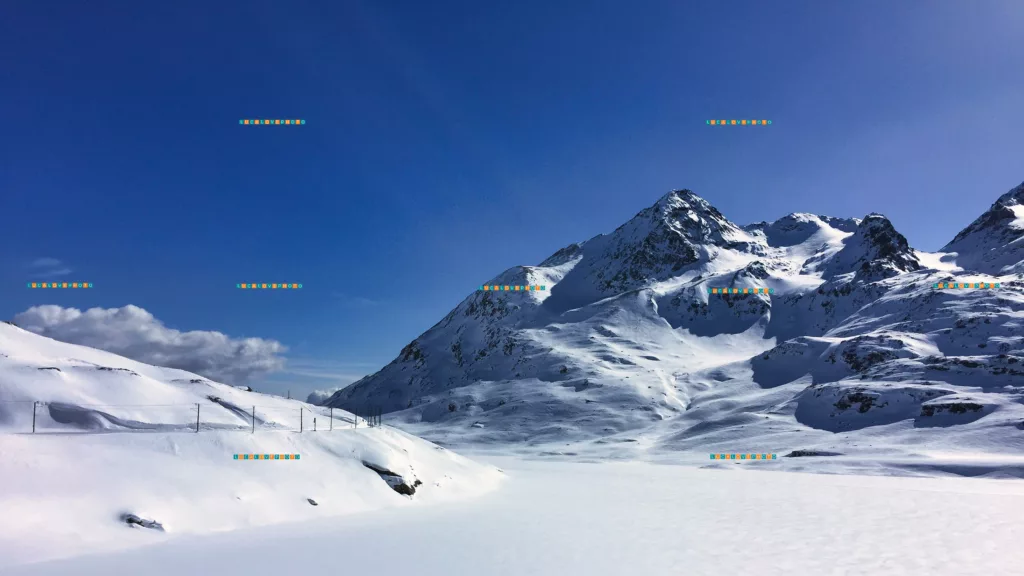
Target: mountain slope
116,437
994,243
630,349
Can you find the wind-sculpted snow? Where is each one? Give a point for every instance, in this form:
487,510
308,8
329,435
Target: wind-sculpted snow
628,353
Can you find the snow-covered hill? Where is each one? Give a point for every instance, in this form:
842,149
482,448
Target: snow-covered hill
628,352
115,437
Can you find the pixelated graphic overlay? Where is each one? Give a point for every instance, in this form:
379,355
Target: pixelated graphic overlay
738,122
501,288
59,285
274,122
268,286
735,456
730,291
965,285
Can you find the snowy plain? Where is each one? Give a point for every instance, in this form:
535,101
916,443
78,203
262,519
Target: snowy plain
566,518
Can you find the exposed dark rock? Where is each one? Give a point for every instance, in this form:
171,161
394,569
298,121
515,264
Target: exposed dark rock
133,521
864,401
109,369
563,255
395,481
996,217
951,408
411,351
875,251
804,453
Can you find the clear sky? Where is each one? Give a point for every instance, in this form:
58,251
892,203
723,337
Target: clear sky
447,141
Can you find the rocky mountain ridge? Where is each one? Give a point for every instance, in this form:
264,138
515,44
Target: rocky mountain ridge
628,341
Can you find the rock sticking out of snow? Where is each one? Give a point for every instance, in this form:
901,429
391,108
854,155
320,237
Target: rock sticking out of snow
394,480
810,453
135,521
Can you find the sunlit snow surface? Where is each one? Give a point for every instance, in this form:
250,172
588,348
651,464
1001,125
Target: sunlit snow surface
123,442
558,519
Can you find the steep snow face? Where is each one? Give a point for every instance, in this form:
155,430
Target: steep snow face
994,242
64,489
630,354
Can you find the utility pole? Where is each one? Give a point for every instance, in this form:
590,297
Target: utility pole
253,419
331,424
34,416
197,417
300,419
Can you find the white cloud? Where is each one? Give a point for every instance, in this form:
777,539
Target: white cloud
45,263
339,371
133,332
351,301
319,396
48,268
313,376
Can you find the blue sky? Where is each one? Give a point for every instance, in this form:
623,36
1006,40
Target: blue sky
448,141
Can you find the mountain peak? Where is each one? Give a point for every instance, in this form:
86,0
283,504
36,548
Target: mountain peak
1014,196
688,214
874,251
994,242
660,242
799,227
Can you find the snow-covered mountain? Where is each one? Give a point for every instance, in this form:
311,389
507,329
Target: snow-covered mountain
994,243
71,487
629,348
